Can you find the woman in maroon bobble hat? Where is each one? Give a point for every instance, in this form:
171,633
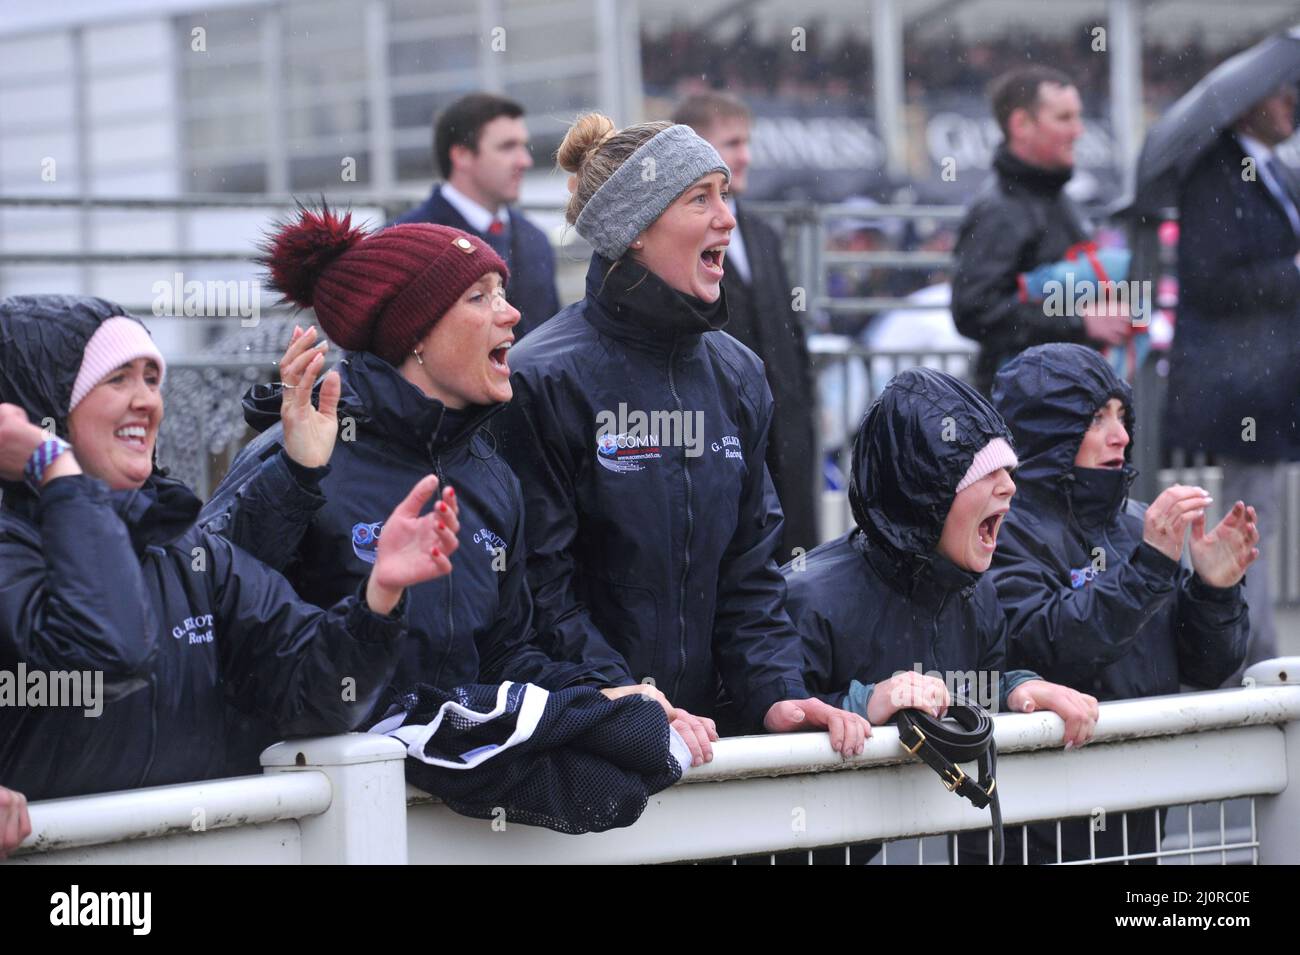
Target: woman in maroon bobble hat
420,310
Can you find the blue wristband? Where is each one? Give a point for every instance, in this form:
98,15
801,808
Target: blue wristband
44,455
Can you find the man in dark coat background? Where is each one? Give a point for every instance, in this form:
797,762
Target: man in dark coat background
1234,391
1021,219
480,145
761,314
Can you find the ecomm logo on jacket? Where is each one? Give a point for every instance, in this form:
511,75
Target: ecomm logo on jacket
625,439
626,452
365,540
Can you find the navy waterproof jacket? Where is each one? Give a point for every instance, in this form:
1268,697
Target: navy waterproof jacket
178,622
880,599
319,526
639,432
1090,604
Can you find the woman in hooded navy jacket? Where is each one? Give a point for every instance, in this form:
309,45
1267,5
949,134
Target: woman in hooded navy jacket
1095,587
903,596
930,490
103,571
638,430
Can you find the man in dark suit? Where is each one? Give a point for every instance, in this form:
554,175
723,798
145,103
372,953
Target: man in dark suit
1234,390
480,145
761,315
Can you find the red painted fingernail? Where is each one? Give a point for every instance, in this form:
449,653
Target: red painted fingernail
436,552
451,491
442,526
442,507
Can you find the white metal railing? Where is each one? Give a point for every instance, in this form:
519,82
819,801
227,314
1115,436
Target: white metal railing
344,798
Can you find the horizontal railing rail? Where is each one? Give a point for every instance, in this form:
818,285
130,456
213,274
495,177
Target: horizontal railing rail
344,799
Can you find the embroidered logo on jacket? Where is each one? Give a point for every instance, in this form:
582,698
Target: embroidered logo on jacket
623,453
365,540
731,444
194,629
491,541
627,437
1083,576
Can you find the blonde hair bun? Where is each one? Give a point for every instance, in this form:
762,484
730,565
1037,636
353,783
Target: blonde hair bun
583,138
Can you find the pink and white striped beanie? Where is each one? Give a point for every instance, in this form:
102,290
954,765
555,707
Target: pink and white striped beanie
117,341
996,454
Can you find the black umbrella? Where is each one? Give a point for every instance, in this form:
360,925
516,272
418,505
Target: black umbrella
1188,127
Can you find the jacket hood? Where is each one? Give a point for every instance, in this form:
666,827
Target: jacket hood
636,305
913,448
376,396
1048,395
42,341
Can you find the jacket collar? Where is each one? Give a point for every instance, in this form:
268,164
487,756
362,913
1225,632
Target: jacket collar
1097,494
158,512
376,396
926,578
155,514
1015,173
634,305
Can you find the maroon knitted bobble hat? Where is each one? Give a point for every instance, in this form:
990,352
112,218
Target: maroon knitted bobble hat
379,292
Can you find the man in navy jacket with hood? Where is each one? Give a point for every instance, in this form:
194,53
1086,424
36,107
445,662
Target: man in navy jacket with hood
1096,588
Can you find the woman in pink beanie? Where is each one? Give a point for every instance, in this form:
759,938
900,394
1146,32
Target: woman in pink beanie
103,571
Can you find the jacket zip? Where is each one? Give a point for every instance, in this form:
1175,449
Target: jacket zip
690,526
451,586
934,628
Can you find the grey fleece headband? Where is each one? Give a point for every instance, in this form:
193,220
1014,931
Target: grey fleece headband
645,185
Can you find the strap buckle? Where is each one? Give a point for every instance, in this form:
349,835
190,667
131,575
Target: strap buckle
920,740
993,784
950,781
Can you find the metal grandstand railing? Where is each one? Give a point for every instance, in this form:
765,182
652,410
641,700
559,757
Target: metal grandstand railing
1229,757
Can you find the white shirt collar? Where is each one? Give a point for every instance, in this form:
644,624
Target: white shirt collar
737,255
479,219
1254,148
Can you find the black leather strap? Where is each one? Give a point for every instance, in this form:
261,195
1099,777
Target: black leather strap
942,746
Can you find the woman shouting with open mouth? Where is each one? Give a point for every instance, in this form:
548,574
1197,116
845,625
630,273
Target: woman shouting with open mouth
638,431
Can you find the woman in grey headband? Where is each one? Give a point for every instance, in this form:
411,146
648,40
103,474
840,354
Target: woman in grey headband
638,430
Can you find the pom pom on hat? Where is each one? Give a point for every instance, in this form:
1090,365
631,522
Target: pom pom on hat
299,252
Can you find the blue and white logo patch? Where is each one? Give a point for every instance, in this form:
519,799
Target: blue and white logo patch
365,540
1083,576
623,453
